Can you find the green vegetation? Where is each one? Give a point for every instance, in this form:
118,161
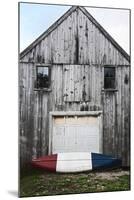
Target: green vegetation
35,182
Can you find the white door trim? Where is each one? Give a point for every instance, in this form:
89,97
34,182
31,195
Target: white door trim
53,114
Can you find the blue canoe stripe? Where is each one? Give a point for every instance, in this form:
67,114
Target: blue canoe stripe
101,161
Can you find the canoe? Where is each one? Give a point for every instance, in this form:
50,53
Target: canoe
76,162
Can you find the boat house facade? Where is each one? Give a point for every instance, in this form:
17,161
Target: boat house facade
74,91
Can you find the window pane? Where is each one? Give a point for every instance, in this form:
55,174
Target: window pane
109,72
42,77
40,70
109,83
109,77
45,71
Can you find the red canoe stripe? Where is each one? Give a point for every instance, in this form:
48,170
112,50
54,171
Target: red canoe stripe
47,162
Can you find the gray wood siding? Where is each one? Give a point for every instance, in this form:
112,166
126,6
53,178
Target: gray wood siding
26,110
33,115
116,113
68,79
40,137
123,112
76,37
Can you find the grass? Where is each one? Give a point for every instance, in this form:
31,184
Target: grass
34,182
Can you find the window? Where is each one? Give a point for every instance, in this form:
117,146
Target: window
109,77
43,77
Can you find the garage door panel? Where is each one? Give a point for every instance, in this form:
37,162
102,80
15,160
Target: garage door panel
58,138
87,120
87,138
59,120
73,134
70,137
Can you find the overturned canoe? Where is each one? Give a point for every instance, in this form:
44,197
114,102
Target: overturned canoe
76,162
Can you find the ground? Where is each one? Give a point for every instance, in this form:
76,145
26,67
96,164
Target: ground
36,182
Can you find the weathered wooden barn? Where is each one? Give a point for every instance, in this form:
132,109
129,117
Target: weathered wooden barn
74,91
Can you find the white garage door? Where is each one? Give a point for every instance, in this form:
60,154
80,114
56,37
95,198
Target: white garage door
74,134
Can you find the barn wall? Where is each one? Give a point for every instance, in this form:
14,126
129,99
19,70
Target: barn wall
67,95
26,116
34,108
75,84
77,52
116,110
123,112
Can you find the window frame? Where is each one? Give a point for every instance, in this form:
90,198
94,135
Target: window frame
49,77
109,88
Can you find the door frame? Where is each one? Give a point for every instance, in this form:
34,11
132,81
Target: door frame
53,114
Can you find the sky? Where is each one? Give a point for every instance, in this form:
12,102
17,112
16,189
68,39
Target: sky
36,18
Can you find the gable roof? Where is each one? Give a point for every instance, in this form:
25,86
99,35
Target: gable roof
62,18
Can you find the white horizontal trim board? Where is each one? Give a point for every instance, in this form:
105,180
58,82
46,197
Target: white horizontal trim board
74,162
75,113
